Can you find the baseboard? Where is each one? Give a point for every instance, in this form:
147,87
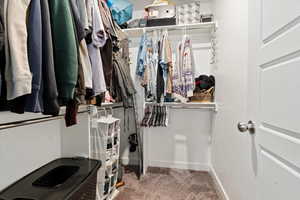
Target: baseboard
219,186
179,165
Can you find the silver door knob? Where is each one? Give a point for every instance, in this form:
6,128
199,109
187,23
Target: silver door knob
244,127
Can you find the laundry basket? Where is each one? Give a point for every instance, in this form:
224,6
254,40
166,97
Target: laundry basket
62,179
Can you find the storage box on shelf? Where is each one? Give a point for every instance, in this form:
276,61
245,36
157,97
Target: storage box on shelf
105,144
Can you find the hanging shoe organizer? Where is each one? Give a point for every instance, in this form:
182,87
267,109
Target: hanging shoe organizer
105,146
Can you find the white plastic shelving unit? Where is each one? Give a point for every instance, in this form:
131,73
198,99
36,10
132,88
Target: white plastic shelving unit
105,146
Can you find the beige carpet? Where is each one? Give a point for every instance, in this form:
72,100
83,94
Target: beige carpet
168,184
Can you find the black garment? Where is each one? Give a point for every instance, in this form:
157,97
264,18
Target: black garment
160,84
3,101
17,105
1,24
107,62
50,93
2,55
3,98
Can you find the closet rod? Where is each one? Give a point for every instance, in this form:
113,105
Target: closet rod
171,29
204,25
187,106
115,106
33,121
192,108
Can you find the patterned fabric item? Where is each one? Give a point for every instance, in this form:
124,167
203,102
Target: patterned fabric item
166,61
149,80
140,66
177,81
183,75
187,68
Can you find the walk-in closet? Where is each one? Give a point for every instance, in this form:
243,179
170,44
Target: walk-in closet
149,100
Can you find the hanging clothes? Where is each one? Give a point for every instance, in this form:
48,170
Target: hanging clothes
123,90
34,28
115,35
2,54
80,33
54,52
155,67
82,8
149,80
79,26
3,102
160,81
97,40
81,21
49,87
65,50
147,62
107,49
183,75
86,64
165,60
1,25
141,58
174,81
17,71
187,67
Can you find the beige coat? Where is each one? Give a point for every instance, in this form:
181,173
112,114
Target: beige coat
17,71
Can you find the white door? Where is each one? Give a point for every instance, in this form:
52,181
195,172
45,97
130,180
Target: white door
274,97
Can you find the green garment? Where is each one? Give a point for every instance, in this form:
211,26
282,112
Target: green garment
65,49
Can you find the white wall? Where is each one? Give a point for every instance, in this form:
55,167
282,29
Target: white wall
75,139
231,150
184,144
24,149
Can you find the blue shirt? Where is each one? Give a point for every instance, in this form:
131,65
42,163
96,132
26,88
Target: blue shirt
34,28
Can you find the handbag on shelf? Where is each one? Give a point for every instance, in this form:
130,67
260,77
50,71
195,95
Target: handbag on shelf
204,96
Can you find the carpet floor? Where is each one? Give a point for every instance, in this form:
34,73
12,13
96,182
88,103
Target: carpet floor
168,184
